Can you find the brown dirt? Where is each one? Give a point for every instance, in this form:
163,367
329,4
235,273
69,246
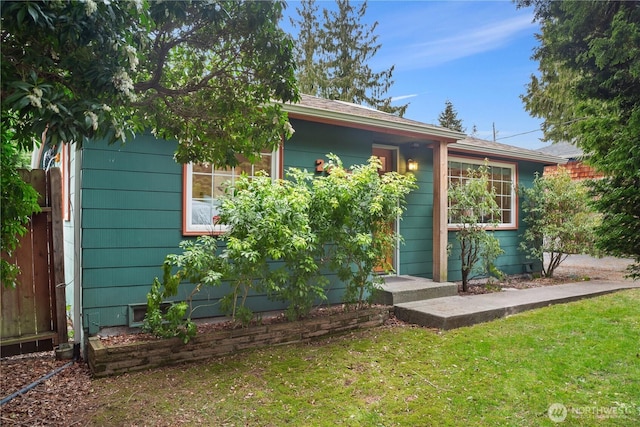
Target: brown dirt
68,397
577,268
64,399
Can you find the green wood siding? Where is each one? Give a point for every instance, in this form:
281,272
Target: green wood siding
416,227
132,218
313,141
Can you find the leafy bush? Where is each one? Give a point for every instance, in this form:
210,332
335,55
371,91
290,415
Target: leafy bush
559,218
352,212
279,236
269,221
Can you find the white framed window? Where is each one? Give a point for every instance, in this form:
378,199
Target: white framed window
205,183
502,176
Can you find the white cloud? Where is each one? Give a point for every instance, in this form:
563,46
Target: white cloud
464,44
430,34
401,97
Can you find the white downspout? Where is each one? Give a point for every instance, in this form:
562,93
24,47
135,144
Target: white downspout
78,330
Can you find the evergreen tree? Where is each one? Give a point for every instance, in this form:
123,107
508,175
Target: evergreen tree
306,49
588,92
333,51
448,118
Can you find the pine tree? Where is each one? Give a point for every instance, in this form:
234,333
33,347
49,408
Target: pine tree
449,118
333,53
307,49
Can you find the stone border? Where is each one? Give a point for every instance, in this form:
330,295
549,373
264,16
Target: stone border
117,359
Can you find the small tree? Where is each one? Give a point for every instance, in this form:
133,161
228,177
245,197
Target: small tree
473,210
448,118
559,218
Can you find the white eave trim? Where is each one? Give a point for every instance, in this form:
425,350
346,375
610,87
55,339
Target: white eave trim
528,155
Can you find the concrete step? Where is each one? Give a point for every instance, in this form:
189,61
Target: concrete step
403,289
457,311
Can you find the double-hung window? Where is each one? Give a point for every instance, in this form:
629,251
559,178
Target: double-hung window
502,177
205,183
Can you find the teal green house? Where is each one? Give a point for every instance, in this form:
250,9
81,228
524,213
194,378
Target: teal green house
128,206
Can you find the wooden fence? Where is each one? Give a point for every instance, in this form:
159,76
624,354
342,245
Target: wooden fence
34,313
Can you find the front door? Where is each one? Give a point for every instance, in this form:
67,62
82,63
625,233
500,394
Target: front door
389,159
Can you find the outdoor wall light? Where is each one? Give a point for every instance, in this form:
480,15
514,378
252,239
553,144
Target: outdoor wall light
412,165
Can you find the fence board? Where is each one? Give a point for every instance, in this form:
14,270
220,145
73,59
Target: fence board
42,280
10,322
33,314
58,296
26,287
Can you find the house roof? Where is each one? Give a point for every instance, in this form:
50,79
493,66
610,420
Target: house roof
352,115
563,149
490,148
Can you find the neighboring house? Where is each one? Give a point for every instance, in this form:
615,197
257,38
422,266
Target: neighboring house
131,205
574,157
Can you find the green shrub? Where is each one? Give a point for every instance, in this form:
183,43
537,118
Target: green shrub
199,264
352,211
280,233
559,219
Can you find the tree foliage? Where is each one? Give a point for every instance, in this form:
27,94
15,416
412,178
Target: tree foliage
333,51
17,202
204,73
559,218
588,92
474,209
448,118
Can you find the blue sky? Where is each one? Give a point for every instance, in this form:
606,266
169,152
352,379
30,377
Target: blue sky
477,54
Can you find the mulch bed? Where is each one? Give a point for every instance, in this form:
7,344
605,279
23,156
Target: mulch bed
63,399
564,275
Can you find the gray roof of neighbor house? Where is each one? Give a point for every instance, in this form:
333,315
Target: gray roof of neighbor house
490,148
353,115
563,149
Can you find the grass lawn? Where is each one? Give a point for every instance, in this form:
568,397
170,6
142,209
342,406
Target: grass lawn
584,355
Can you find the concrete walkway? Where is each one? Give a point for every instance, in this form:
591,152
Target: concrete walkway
457,311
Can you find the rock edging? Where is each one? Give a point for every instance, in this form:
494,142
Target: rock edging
117,359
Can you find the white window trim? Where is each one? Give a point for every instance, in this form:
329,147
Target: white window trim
514,183
187,210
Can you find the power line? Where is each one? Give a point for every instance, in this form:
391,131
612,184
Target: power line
539,129
518,134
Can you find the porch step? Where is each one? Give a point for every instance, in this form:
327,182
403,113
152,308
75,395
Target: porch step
403,289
